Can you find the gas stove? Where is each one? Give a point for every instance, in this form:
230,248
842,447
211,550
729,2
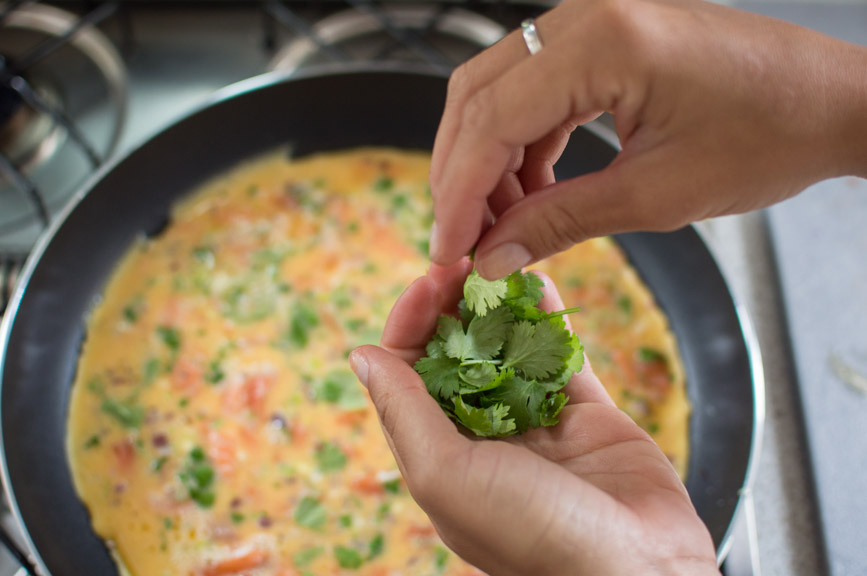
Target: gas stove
81,82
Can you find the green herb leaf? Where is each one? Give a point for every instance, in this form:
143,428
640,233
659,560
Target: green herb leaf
392,486
523,290
538,350
452,337
197,476
310,513
126,413
499,369
625,304
486,334
304,557
214,374
377,545
151,371
132,311
649,355
348,558
477,376
489,421
304,320
482,295
383,184
441,376
170,337
330,458
441,558
341,387
525,400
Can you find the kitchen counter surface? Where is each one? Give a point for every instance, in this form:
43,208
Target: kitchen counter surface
760,254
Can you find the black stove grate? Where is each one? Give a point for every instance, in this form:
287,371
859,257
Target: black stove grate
10,267
13,82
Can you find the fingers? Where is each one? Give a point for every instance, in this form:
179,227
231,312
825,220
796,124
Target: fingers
477,72
554,219
584,386
450,281
413,319
537,169
498,118
531,170
419,433
551,300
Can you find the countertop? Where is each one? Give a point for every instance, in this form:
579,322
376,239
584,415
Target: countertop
756,251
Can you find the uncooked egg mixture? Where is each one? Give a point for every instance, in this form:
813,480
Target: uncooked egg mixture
215,428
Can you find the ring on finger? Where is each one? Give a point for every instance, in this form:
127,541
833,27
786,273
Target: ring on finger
531,36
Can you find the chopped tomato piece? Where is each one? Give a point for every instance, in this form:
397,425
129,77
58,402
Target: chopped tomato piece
242,560
420,531
186,377
250,394
222,451
367,484
299,432
655,375
351,418
124,453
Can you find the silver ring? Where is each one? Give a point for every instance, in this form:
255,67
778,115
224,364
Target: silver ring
531,36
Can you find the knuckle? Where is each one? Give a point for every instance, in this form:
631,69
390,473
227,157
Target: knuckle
479,110
459,82
628,21
648,212
618,14
559,228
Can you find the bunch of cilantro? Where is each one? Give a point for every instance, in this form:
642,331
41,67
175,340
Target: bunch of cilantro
499,367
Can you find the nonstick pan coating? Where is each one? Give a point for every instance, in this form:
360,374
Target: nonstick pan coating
44,326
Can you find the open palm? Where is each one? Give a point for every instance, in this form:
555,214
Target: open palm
592,495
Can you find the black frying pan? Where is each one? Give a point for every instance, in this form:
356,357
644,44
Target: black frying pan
44,326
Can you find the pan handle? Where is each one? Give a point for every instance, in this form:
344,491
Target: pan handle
23,558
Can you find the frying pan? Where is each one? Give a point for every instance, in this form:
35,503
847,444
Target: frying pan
328,110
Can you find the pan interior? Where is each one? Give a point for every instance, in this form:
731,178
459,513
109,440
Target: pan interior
312,114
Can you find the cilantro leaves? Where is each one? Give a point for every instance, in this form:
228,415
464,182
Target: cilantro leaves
498,369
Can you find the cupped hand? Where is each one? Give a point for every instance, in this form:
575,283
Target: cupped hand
718,111
592,495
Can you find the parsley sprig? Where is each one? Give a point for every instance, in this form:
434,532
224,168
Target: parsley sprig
500,367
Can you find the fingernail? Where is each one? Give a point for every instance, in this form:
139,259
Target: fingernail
504,259
434,247
359,365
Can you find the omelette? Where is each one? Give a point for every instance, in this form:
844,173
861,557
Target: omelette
214,425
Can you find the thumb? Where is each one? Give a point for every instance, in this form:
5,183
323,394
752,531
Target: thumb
420,435
553,219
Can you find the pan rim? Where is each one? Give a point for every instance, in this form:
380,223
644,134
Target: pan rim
261,81
754,357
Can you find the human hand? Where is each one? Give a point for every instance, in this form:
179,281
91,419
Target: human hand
592,495
718,111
